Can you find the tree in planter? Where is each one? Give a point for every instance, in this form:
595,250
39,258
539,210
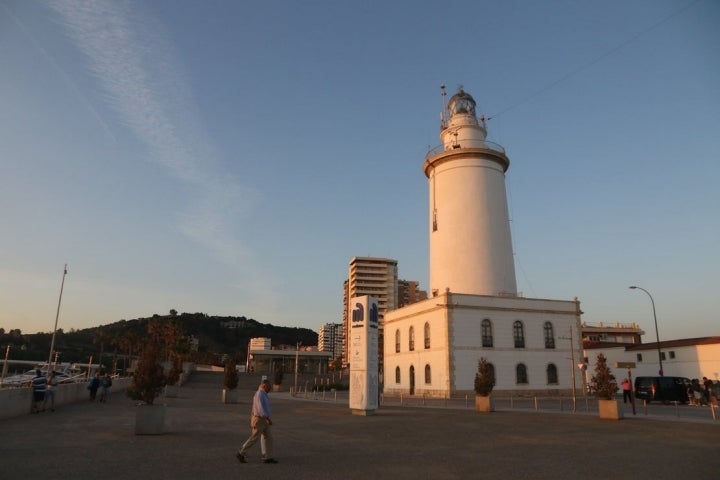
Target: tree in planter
278,377
484,383
230,382
603,382
150,377
231,376
484,378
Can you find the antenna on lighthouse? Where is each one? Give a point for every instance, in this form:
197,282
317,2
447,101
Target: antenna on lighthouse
443,119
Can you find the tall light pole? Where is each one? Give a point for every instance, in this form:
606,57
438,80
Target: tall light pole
57,315
657,334
297,361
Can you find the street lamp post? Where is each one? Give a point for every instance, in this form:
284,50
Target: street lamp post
297,362
657,334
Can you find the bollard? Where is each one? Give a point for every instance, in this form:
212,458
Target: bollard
561,404
423,399
511,402
401,399
466,401
712,411
536,404
677,410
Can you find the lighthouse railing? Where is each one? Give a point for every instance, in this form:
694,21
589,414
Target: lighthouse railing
465,144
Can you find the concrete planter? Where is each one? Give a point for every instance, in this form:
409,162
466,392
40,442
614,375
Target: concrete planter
484,404
171,391
150,420
230,396
609,409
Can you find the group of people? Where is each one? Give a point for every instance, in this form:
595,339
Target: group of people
700,393
44,389
103,384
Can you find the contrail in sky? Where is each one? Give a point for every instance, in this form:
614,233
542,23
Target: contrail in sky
146,87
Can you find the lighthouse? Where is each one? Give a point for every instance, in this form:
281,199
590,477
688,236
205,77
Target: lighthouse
432,347
470,243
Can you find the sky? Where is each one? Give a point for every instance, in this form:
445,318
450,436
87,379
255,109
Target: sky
231,157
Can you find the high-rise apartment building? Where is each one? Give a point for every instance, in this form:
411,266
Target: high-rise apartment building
376,277
330,339
409,292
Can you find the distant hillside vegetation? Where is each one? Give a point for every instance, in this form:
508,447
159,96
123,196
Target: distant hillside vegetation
213,333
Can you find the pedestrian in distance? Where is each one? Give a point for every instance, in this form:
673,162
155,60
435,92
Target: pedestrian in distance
39,386
260,426
627,389
50,391
105,384
93,386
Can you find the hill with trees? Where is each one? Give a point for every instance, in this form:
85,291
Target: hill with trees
216,337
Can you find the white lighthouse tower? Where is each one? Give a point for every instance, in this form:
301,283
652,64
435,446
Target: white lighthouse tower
470,245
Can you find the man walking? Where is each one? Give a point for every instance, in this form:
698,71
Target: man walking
260,424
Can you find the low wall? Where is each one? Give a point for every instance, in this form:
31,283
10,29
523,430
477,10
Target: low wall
15,402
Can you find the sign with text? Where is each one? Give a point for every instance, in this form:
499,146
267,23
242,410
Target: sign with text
624,364
363,344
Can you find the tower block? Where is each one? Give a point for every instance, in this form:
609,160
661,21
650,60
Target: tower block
470,243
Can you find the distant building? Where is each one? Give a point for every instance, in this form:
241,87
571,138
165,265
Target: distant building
260,343
330,339
611,333
377,277
408,292
688,357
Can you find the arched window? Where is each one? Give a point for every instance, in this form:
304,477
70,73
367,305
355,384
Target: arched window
428,376
519,334
397,374
397,341
549,337
552,376
411,338
486,331
427,335
521,374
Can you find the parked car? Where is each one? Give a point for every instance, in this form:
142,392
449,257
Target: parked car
662,389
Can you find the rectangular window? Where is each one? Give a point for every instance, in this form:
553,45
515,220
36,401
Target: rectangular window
672,354
662,355
639,357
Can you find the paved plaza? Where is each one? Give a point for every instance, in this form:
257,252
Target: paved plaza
323,440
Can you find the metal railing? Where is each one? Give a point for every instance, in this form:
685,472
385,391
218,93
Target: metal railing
492,146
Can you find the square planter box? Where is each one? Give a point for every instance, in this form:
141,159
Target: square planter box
609,409
484,404
230,396
150,420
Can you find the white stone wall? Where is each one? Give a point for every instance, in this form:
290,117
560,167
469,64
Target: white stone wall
692,361
456,344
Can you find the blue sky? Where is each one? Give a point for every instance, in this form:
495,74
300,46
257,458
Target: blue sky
231,157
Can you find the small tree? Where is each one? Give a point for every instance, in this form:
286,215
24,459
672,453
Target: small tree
173,374
231,377
278,377
603,381
484,378
149,377
160,344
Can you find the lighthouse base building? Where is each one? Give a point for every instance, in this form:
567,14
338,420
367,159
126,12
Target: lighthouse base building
433,347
